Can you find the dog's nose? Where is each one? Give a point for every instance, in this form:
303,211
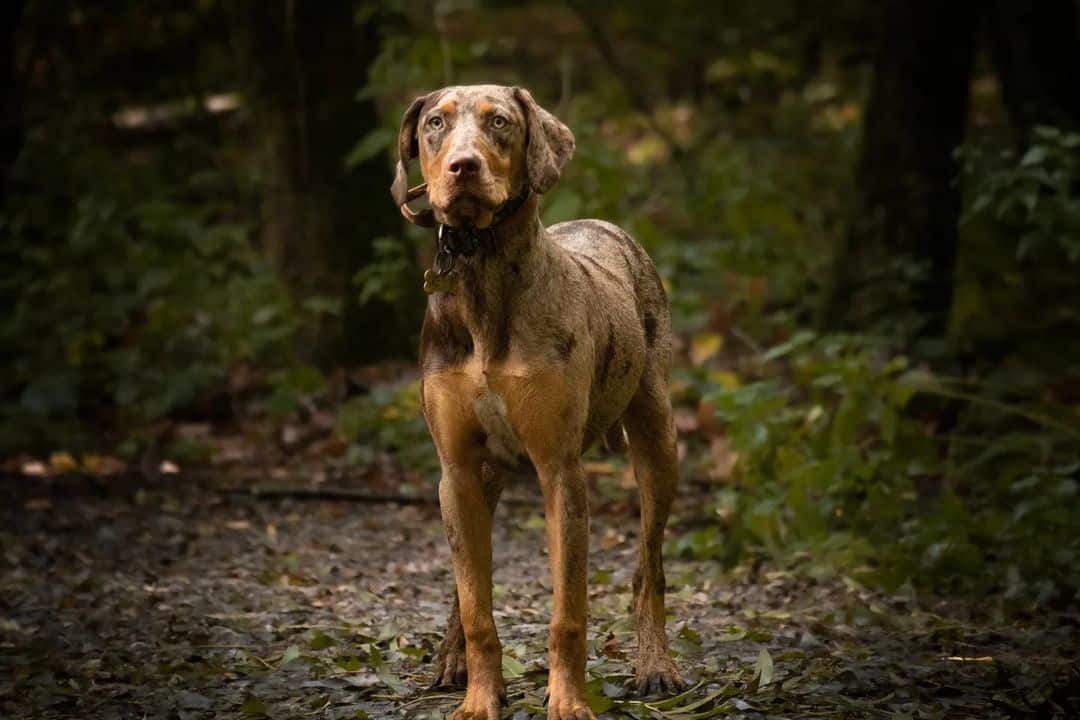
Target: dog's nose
463,165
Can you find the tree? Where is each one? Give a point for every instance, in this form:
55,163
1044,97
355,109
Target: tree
1035,49
11,121
303,64
900,248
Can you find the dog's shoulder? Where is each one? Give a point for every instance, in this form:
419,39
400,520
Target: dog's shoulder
589,234
604,246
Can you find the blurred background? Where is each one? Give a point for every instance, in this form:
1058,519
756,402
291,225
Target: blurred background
867,216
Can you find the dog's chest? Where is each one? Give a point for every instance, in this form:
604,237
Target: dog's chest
515,409
493,415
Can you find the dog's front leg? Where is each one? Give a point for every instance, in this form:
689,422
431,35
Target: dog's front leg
450,668
468,529
566,507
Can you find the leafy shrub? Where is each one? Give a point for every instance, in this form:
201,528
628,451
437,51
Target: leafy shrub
388,420
835,464
1033,194
132,302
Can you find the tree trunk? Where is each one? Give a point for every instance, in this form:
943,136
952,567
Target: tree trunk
900,248
1035,48
11,119
304,63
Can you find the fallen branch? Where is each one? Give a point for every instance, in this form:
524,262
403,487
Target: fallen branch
274,491
302,492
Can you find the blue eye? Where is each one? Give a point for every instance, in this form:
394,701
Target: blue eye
498,122
435,123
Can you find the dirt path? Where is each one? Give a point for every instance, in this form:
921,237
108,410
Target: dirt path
122,600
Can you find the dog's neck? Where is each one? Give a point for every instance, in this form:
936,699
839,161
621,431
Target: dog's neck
491,283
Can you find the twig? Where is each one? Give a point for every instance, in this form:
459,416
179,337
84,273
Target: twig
1004,408
300,492
330,492
264,663
747,340
433,698
319,711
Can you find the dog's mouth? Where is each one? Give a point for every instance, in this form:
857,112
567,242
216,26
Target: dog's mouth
468,207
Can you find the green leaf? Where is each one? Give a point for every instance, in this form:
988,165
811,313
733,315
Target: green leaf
732,634
763,671
253,707
1034,156
798,340
321,641
391,680
599,703
512,667
348,663
322,305
291,653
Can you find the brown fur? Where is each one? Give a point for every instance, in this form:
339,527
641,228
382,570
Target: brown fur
550,339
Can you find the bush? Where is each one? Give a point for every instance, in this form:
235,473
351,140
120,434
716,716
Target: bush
131,301
836,464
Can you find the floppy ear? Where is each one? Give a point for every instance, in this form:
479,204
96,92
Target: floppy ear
408,148
549,143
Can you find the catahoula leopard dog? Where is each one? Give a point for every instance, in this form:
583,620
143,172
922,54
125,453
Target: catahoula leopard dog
537,342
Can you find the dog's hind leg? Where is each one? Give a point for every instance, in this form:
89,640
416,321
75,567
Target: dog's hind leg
450,669
651,432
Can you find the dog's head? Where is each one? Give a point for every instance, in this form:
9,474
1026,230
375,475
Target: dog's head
479,146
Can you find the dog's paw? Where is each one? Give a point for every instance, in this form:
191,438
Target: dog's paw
570,710
481,705
450,669
659,678
567,706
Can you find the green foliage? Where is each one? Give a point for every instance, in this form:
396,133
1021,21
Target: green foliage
389,275
836,463
289,387
1016,280
132,303
388,420
1032,194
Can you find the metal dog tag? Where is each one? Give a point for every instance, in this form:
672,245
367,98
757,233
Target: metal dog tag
435,282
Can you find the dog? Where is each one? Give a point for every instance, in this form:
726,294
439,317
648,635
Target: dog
536,343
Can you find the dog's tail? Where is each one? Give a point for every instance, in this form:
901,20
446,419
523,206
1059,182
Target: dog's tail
615,438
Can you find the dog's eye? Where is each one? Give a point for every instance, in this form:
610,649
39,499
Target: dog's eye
435,123
498,122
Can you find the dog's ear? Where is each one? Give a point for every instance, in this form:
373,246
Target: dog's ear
549,143
408,148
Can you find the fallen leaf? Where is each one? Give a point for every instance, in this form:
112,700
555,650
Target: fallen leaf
291,653
763,671
253,707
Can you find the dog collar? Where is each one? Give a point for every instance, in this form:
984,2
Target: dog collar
466,241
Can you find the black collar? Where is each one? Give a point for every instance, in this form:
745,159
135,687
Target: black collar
468,240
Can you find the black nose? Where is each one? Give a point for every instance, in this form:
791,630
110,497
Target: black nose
462,165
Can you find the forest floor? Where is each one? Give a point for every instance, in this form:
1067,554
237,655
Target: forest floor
175,596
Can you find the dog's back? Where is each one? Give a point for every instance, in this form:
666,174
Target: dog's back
614,254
